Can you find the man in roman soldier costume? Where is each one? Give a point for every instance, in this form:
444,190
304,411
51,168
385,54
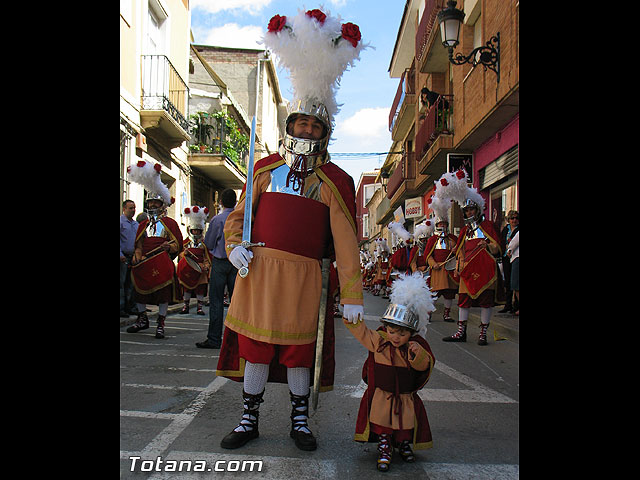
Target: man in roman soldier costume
476,250
421,233
399,260
303,209
399,364
381,268
195,260
439,251
158,241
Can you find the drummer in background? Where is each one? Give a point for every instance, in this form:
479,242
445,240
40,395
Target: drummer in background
195,260
158,241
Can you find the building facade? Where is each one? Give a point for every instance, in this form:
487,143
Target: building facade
446,116
365,189
154,59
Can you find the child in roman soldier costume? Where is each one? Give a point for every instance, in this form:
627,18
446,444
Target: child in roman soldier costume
158,241
439,251
421,233
303,209
399,364
476,251
381,267
195,260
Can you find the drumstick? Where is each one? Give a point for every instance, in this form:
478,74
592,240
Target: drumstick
158,248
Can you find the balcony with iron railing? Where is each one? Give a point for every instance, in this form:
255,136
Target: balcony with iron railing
402,110
218,148
164,101
438,120
401,182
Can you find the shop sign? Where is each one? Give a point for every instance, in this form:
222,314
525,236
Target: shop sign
456,161
413,207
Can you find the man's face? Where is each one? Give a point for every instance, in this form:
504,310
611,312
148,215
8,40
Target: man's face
129,210
470,212
153,204
306,126
513,221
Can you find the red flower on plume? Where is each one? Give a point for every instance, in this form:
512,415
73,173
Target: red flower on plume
317,14
196,209
460,174
351,32
140,163
187,211
206,210
429,200
428,222
276,23
157,167
444,182
173,200
129,169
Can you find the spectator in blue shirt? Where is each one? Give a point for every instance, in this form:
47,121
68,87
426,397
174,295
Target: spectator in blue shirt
223,273
128,230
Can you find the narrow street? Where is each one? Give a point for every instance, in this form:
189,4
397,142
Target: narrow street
173,408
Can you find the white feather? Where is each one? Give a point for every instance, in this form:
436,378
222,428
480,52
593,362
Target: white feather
413,292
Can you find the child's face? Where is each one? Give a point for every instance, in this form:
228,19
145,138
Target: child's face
398,336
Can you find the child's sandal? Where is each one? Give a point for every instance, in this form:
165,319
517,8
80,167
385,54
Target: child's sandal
404,449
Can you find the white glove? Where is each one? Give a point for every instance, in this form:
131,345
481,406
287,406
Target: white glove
352,312
240,257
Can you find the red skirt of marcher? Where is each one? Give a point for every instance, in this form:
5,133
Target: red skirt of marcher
290,356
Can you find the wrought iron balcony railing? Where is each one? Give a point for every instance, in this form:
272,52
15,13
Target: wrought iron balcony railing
438,119
164,89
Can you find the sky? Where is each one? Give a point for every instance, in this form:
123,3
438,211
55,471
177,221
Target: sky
366,91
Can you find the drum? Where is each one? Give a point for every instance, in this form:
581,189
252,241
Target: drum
451,264
189,272
152,273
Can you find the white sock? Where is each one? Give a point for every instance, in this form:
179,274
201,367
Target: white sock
448,302
463,314
187,296
162,309
298,379
141,307
485,315
255,377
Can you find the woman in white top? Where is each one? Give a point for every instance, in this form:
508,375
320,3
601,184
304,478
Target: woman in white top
513,251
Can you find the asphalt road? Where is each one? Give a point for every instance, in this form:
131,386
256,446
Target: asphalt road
174,410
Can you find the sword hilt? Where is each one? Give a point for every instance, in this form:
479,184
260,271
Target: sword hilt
244,271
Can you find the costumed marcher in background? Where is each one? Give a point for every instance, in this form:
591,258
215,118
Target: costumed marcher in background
506,234
158,241
194,277
304,210
399,261
421,233
399,364
476,251
439,252
381,268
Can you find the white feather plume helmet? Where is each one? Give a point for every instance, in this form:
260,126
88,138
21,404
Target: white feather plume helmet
454,186
413,292
196,216
317,49
424,229
147,174
399,230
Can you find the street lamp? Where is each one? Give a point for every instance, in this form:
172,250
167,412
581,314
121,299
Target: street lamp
488,55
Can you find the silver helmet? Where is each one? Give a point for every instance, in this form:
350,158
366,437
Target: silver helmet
401,316
441,230
155,213
474,220
303,154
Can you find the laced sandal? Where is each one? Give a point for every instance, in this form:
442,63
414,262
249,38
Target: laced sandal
386,452
160,326
247,429
299,429
405,451
142,323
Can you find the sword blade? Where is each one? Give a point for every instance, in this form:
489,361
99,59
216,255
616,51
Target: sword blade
322,315
246,226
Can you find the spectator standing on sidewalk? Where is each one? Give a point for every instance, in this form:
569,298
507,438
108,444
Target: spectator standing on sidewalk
128,229
223,273
507,233
513,252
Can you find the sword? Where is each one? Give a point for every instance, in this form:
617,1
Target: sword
246,226
320,336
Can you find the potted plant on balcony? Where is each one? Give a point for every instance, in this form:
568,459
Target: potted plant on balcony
201,130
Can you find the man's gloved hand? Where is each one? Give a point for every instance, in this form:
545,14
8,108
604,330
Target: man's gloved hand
352,312
240,257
